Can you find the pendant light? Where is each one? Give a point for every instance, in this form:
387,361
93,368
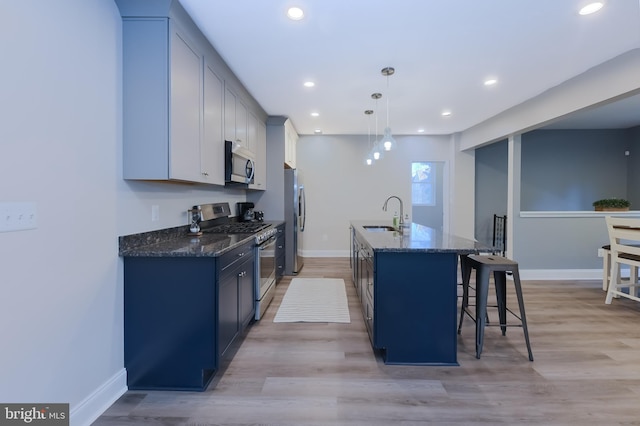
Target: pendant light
377,150
388,142
369,157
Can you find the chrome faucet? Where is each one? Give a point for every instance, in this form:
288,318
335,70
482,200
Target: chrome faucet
384,207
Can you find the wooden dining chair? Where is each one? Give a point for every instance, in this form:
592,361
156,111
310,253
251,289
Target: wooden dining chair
606,268
624,239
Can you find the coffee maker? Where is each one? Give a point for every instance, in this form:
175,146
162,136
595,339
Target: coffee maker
246,212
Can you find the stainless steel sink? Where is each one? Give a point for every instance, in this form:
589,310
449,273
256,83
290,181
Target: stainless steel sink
379,228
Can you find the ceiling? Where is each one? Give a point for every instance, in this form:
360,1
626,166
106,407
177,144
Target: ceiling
442,52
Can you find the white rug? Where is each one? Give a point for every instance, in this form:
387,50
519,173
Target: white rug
314,300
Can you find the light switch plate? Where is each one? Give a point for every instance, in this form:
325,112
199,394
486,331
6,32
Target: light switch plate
18,216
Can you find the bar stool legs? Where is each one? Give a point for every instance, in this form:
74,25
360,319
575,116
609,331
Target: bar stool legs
484,266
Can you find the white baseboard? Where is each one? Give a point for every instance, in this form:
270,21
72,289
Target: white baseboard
560,274
325,253
97,403
525,274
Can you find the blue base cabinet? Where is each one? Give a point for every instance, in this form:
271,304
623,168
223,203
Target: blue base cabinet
409,302
280,252
182,316
415,307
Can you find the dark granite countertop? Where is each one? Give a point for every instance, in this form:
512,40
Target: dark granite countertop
415,238
177,242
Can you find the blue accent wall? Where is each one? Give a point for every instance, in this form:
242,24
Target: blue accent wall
567,170
633,180
561,170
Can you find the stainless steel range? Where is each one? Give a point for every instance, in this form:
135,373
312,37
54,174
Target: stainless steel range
215,218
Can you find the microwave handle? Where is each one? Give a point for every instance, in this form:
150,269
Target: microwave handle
251,165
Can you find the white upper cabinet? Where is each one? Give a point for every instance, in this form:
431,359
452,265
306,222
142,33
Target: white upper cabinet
180,99
211,157
290,143
235,118
165,133
257,139
185,110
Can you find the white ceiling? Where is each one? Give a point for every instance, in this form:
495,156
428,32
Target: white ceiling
442,51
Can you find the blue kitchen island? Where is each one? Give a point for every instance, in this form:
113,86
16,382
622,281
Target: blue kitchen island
407,285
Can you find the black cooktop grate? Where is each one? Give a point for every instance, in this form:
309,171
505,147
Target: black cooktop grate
237,228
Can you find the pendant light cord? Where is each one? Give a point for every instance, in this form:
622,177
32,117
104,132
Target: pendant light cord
387,101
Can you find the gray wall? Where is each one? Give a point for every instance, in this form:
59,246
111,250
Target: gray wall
570,169
560,243
340,187
491,188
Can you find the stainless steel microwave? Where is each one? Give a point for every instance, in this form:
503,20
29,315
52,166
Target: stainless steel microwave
239,164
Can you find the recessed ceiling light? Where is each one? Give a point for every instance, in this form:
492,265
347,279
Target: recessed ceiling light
295,13
309,84
315,114
446,113
317,131
490,82
591,8
420,130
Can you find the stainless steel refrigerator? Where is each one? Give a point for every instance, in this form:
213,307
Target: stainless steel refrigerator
295,211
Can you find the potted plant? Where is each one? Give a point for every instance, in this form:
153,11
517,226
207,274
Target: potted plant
611,205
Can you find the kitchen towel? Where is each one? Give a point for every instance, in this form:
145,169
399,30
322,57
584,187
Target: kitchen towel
314,300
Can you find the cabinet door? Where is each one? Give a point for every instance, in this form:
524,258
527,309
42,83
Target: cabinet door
246,289
280,253
228,311
185,110
229,115
257,140
235,118
368,297
291,140
355,248
241,123
212,152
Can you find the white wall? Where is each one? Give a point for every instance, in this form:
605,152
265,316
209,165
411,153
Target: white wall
604,83
61,319
341,188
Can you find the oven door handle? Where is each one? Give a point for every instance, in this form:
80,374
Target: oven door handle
268,242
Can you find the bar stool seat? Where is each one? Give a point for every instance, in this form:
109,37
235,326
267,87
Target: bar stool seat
485,266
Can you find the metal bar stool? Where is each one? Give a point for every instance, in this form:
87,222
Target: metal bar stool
484,266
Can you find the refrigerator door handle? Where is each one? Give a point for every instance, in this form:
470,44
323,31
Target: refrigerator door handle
302,203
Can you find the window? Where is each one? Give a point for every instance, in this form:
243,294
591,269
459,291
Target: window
423,186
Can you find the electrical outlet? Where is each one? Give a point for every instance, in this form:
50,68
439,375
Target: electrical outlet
4,218
17,216
600,252
155,213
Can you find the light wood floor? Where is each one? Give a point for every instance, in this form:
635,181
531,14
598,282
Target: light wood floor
586,371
